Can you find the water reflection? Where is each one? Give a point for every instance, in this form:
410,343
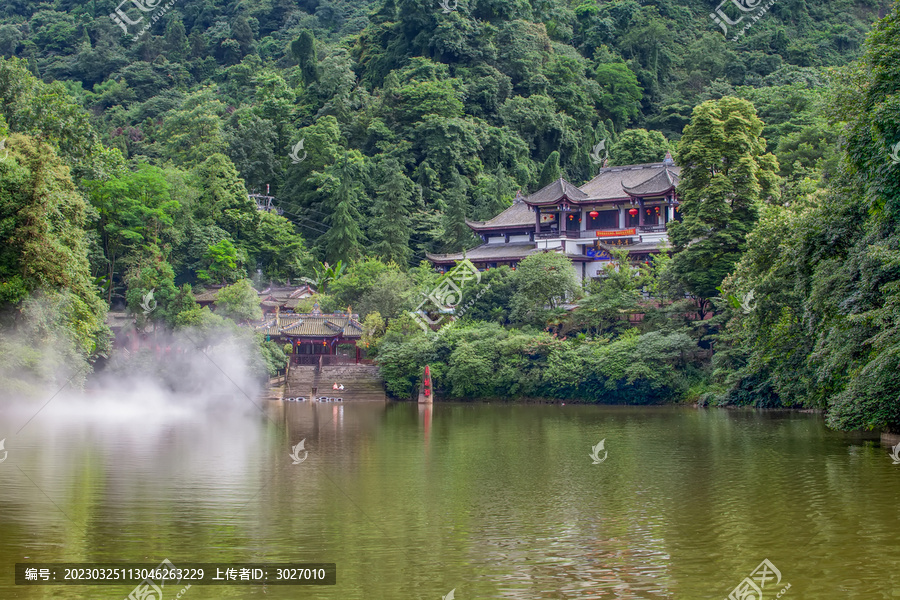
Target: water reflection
495,501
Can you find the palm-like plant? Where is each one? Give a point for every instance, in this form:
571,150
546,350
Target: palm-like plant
325,274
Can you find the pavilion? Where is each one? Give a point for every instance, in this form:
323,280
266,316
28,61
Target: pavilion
624,207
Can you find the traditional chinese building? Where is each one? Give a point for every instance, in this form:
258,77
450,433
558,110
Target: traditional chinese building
316,336
283,299
622,207
272,299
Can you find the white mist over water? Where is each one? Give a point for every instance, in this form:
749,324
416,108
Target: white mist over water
189,418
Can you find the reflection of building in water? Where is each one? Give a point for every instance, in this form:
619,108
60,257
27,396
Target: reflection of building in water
329,425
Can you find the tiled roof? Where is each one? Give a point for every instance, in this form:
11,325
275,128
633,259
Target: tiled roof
610,181
517,215
313,325
269,297
208,295
119,319
549,194
292,303
661,183
496,252
510,251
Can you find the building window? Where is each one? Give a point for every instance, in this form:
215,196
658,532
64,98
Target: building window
632,220
605,219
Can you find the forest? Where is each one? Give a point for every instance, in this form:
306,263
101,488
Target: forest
133,133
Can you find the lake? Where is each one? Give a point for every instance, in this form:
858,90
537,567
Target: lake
485,500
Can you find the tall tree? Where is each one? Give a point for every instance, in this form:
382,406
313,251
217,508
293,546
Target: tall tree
725,173
825,270
304,50
457,234
342,192
391,227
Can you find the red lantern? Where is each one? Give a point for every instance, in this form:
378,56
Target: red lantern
633,212
657,210
594,214
571,217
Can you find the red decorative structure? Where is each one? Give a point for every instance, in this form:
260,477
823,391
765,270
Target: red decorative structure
425,395
633,212
594,214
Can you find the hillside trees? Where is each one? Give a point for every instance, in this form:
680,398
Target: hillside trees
825,332
43,263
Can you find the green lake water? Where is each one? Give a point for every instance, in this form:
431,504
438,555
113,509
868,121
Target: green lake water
488,500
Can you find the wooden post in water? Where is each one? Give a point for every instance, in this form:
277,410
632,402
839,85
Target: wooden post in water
425,395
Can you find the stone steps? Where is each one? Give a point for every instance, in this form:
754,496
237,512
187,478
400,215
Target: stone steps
362,383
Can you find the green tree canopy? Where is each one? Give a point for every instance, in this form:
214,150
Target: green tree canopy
725,174
239,302
543,282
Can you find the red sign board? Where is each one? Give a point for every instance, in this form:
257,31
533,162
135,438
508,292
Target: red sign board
617,233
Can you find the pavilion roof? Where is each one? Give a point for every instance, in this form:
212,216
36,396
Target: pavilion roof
492,252
312,325
285,296
517,216
556,191
619,183
662,183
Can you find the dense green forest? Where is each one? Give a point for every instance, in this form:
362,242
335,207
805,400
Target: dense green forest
130,145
